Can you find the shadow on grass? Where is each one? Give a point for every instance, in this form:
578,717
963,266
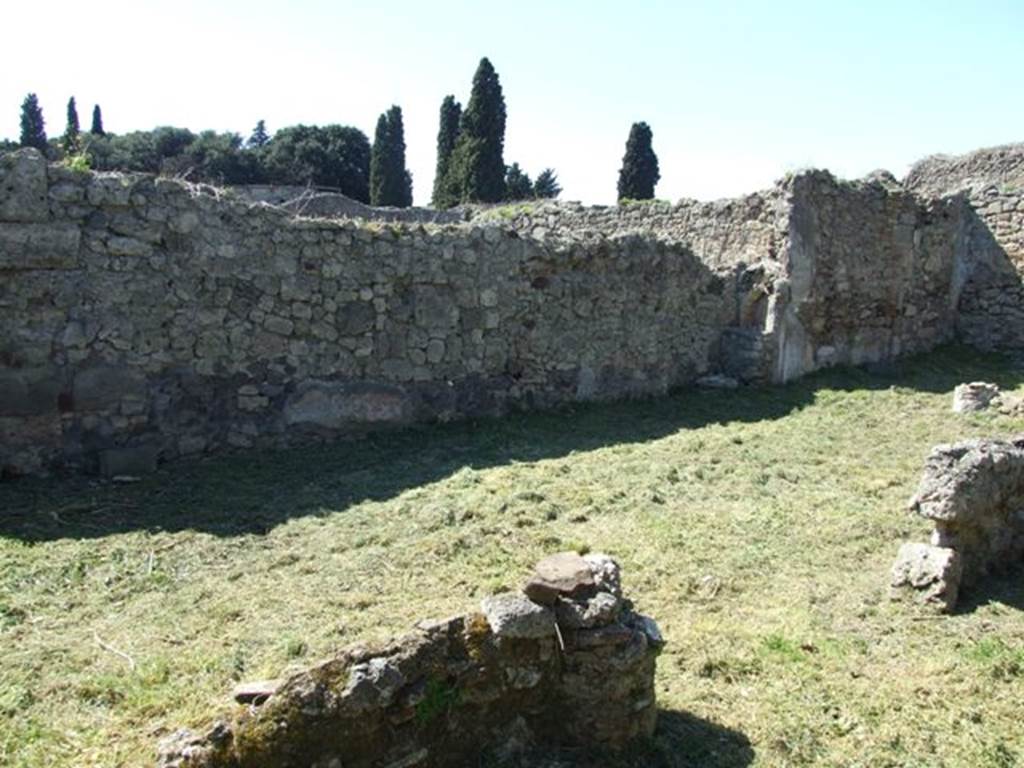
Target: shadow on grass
252,492
681,740
1003,589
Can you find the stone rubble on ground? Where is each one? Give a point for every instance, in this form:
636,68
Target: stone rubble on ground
973,492
974,396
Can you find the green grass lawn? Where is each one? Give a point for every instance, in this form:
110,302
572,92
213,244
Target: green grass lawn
758,527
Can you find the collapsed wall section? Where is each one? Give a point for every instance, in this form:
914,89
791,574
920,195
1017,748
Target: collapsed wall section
144,319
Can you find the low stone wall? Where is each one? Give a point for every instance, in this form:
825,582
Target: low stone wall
573,667
973,491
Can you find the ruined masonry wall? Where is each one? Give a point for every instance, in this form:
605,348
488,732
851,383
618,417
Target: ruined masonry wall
991,312
512,684
871,273
144,319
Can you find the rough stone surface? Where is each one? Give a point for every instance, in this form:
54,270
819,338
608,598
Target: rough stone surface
599,610
975,396
933,572
991,305
152,311
606,572
514,615
565,574
457,692
973,491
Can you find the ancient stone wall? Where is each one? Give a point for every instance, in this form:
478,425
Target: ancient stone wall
870,273
824,272
945,174
572,667
145,319
991,311
722,233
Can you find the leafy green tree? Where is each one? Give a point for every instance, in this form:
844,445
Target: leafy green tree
390,182
639,173
143,151
547,185
169,142
447,134
213,157
259,137
329,156
97,122
209,156
517,183
71,142
33,127
476,170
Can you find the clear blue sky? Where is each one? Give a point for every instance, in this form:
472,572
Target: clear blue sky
737,93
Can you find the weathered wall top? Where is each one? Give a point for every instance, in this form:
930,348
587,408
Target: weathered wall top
945,174
721,233
315,202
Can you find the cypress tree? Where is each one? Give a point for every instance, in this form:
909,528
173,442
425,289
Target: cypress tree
97,122
447,134
378,161
70,140
547,185
517,183
33,127
259,136
390,182
639,171
400,174
477,168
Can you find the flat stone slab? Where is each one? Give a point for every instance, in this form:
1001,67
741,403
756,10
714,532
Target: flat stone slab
565,574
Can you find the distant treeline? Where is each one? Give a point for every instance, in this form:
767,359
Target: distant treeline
335,156
470,154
